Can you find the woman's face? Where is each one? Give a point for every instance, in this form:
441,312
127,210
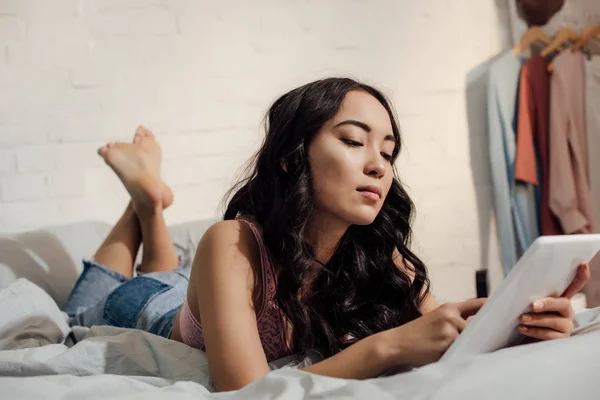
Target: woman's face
350,159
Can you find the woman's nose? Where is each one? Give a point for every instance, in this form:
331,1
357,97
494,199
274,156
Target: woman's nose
376,167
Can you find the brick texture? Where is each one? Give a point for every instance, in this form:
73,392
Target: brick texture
75,74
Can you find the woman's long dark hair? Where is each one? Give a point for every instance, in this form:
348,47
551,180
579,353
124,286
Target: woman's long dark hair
361,291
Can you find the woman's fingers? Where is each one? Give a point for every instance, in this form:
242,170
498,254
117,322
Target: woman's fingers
470,307
561,305
541,333
548,321
552,317
461,324
582,276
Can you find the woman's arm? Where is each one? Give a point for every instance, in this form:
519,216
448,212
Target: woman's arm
367,358
222,281
429,304
416,343
222,278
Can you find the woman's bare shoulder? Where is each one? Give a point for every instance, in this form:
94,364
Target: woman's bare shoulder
228,244
230,237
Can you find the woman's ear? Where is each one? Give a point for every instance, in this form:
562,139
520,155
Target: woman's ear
284,166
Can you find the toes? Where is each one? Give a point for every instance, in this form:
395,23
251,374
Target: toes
142,133
104,149
146,132
139,134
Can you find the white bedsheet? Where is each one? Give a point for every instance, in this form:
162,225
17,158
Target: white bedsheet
37,359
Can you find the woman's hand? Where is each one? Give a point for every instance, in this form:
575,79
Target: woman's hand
552,317
427,338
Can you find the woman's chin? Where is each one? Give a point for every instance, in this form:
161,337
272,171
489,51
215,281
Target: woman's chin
364,218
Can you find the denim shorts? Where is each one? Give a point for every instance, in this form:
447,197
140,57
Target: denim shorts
148,301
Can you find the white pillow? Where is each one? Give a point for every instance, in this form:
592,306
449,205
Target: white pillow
29,317
51,257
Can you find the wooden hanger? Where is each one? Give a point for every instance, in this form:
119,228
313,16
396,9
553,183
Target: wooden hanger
563,36
533,35
589,33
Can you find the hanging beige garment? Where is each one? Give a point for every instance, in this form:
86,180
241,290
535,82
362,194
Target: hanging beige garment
570,193
592,100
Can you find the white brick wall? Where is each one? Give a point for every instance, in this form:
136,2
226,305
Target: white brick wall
76,73
23,187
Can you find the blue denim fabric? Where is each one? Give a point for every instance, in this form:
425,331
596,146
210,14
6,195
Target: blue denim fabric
148,302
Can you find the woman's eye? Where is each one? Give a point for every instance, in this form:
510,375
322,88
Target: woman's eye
387,157
352,143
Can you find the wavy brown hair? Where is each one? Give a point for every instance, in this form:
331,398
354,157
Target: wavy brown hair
360,290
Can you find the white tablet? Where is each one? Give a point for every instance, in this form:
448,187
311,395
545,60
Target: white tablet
546,269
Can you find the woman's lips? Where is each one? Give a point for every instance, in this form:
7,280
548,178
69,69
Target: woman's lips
370,195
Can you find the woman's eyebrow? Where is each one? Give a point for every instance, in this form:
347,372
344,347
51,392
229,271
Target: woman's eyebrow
354,122
362,126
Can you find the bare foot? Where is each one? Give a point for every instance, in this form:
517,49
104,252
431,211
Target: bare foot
144,138
135,169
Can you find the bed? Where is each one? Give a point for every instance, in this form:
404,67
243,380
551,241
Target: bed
40,356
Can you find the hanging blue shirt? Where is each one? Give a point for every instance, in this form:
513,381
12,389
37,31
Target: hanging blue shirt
515,205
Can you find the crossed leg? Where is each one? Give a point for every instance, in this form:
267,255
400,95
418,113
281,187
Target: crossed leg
138,166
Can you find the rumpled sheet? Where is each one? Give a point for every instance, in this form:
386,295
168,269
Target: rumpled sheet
41,357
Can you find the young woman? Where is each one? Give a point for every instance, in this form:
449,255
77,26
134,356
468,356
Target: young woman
313,252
